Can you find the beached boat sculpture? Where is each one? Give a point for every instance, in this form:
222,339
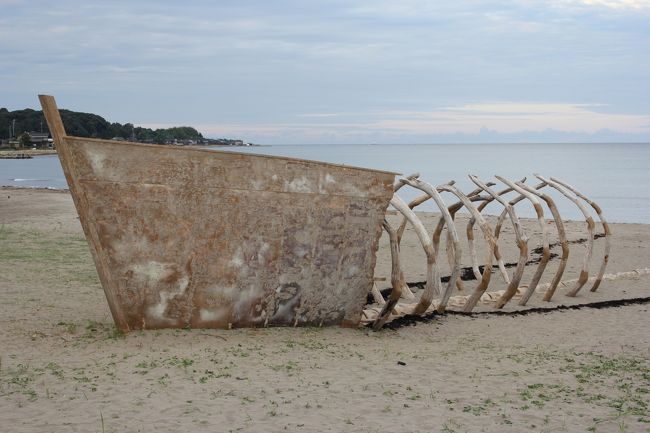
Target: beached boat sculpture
206,239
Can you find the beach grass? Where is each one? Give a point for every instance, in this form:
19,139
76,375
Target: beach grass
64,258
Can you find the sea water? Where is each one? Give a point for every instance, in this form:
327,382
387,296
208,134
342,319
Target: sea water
615,175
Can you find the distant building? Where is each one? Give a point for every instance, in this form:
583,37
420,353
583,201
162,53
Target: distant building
39,139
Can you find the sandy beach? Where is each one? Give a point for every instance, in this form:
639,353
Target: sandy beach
65,368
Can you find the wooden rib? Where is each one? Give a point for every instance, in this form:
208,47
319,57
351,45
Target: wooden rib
376,294
469,233
413,204
451,253
487,232
432,285
546,254
453,235
522,243
396,275
406,292
606,229
399,183
436,239
473,196
560,232
453,209
497,230
584,273
504,213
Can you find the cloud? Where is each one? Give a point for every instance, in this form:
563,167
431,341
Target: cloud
340,67
613,4
511,117
495,118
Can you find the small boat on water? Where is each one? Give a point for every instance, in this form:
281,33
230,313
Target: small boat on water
199,238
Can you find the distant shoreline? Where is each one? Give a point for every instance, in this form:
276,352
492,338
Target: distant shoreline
15,154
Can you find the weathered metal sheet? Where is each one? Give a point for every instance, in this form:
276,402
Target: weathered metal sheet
207,239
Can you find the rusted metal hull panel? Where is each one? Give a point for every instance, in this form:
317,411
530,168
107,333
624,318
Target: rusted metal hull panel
208,239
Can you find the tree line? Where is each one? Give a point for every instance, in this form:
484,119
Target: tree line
14,123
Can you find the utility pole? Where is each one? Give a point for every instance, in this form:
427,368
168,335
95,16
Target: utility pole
13,128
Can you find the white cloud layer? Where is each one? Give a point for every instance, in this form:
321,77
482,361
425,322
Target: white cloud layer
470,119
614,4
354,69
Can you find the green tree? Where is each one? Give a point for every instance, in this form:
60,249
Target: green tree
24,140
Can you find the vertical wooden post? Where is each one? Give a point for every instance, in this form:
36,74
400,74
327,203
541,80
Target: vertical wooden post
53,118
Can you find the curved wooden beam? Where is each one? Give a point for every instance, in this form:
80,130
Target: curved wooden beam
453,235
584,273
396,276
606,230
522,243
561,232
489,237
453,209
546,249
407,293
413,204
470,234
399,183
433,284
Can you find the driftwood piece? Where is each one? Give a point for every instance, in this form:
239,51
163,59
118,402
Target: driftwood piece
399,183
497,253
522,243
546,250
489,237
453,236
584,273
396,278
407,293
561,235
453,209
607,231
376,294
413,204
433,284
470,234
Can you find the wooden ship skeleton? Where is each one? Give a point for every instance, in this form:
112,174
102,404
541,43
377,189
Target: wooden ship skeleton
198,238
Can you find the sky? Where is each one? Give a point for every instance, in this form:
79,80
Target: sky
349,71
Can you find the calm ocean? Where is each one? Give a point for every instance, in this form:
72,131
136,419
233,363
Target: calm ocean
616,175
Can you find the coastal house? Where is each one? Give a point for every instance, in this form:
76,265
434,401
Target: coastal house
39,139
